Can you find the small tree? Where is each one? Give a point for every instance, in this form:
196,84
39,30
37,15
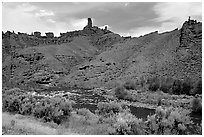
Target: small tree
120,92
198,87
196,106
130,85
186,86
153,84
177,87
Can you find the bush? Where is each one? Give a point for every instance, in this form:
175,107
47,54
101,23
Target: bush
174,86
120,92
168,121
85,112
130,85
153,84
196,106
26,107
142,81
187,86
166,84
159,101
49,109
128,124
177,87
53,109
198,87
108,109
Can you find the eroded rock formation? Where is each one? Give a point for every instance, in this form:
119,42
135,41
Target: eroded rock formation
94,57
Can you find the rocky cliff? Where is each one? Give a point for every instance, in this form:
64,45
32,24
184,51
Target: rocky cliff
95,57
35,60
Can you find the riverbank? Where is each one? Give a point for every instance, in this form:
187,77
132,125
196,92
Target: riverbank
149,99
94,112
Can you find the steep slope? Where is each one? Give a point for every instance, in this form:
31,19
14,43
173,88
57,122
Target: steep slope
39,61
174,54
43,64
95,57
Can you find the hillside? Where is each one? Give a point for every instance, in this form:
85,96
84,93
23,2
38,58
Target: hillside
95,57
150,55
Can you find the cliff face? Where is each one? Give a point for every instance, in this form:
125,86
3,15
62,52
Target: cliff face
190,49
95,57
39,61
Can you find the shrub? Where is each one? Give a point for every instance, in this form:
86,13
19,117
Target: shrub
142,81
168,121
196,106
130,85
198,87
177,87
120,92
128,124
159,100
26,107
85,112
54,109
153,84
130,97
166,84
11,104
186,86
49,109
108,109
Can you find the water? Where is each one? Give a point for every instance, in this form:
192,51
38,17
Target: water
141,112
196,118
87,99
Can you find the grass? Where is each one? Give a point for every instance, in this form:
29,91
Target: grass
28,125
84,126
18,124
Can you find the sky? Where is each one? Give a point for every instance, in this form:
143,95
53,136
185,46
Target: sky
125,18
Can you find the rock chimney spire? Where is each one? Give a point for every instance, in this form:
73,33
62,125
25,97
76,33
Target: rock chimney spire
89,23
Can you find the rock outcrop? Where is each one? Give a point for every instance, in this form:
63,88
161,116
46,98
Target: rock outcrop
191,31
49,35
37,34
95,57
89,23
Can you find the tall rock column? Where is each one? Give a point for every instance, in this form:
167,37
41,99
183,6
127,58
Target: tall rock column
89,23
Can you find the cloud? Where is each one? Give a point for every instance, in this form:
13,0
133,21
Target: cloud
51,21
177,13
76,24
22,18
42,13
26,7
169,17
